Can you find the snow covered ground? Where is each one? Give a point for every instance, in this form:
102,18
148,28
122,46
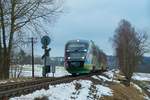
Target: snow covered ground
27,71
143,79
76,90
141,76
60,71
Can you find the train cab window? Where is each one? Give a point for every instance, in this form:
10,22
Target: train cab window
77,46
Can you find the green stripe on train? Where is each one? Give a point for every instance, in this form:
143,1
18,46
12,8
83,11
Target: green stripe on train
86,69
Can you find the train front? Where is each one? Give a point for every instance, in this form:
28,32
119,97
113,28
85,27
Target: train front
75,56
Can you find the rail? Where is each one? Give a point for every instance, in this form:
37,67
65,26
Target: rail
20,88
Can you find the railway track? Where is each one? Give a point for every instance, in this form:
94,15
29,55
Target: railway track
17,89
13,85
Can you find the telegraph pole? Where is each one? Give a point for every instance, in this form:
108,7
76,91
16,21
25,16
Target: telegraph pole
32,57
32,40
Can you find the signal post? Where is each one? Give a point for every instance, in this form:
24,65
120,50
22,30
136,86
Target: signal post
45,42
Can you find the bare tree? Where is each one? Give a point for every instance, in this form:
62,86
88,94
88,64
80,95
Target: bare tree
19,17
129,47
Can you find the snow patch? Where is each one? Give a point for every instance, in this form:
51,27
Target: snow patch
99,77
3,82
96,77
68,91
60,71
146,98
27,71
104,90
109,73
104,78
141,76
83,93
137,87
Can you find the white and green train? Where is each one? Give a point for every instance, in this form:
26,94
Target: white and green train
82,56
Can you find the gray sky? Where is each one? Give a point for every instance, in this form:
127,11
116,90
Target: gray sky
96,20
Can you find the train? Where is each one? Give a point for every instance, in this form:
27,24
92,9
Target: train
83,56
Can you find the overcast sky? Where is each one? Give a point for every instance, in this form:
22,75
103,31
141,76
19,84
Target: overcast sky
96,20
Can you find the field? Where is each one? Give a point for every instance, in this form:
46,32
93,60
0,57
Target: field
27,71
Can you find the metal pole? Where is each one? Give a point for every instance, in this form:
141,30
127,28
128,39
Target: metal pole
32,58
45,64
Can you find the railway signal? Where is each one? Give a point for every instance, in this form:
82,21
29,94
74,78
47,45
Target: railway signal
46,53
45,42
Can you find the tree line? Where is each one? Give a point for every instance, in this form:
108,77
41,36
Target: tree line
22,58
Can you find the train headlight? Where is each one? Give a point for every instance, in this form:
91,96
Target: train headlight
68,57
67,50
85,50
83,57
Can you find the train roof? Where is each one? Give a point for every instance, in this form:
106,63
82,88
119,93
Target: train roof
78,40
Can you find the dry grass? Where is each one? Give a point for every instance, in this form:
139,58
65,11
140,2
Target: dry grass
121,92
77,86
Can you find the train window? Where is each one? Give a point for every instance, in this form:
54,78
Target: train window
77,46
76,54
